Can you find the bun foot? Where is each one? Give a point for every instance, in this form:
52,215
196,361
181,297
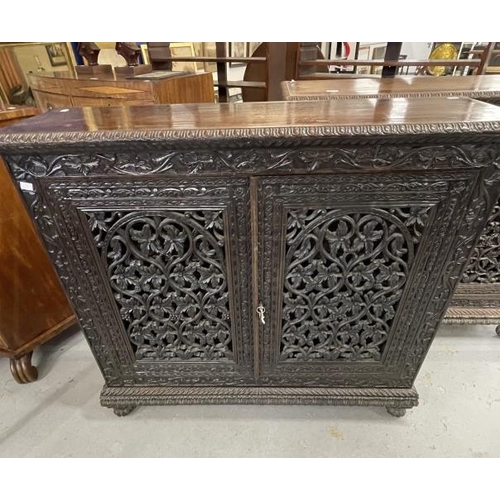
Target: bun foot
123,411
395,412
22,370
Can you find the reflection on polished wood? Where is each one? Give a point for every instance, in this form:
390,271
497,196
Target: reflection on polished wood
481,86
64,90
273,118
9,114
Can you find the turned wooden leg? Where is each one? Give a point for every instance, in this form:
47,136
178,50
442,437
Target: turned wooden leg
22,370
123,411
395,412
497,329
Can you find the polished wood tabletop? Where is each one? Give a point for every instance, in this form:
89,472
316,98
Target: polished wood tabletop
10,113
116,77
400,86
259,119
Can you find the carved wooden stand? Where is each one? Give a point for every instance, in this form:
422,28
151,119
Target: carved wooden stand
280,265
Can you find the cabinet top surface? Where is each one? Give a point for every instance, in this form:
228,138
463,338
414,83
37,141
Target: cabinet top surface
489,85
109,77
261,120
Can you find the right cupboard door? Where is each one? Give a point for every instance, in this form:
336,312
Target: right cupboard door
353,274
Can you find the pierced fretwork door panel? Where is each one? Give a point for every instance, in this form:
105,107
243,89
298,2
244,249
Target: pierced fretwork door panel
336,253
168,263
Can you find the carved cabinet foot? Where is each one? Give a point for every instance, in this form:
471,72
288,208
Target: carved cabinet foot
123,411
395,412
497,329
22,370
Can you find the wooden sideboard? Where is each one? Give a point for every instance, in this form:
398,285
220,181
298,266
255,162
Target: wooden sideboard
33,307
264,253
478,296
64,90
482,87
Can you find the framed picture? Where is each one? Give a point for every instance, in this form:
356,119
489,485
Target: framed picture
55,51
363,55
183,49
208,49
378,53
252,47
237,49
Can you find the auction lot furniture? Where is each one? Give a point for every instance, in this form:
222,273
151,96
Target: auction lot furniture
260,253
477,299
483,87
64,90
33,307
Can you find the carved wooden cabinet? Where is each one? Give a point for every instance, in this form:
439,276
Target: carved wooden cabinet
477,299
281,253
483,87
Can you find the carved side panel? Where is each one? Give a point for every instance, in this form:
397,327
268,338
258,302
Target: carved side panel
350,264
484,265
166,271
480,283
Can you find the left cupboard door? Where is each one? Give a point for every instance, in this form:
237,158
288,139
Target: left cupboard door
159,273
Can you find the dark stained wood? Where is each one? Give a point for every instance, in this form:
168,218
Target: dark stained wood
392,53
281,64
260,253
130,51
64,90
399,86
276,69
485,57
477,299
160,55
175,118
221,53
89,51
256,73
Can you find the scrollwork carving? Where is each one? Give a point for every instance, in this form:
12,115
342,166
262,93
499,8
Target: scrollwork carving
168,275
202,160
484,264
344,277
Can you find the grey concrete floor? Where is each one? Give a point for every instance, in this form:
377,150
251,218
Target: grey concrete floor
60,415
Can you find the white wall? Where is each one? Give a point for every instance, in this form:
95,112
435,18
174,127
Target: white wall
416,50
